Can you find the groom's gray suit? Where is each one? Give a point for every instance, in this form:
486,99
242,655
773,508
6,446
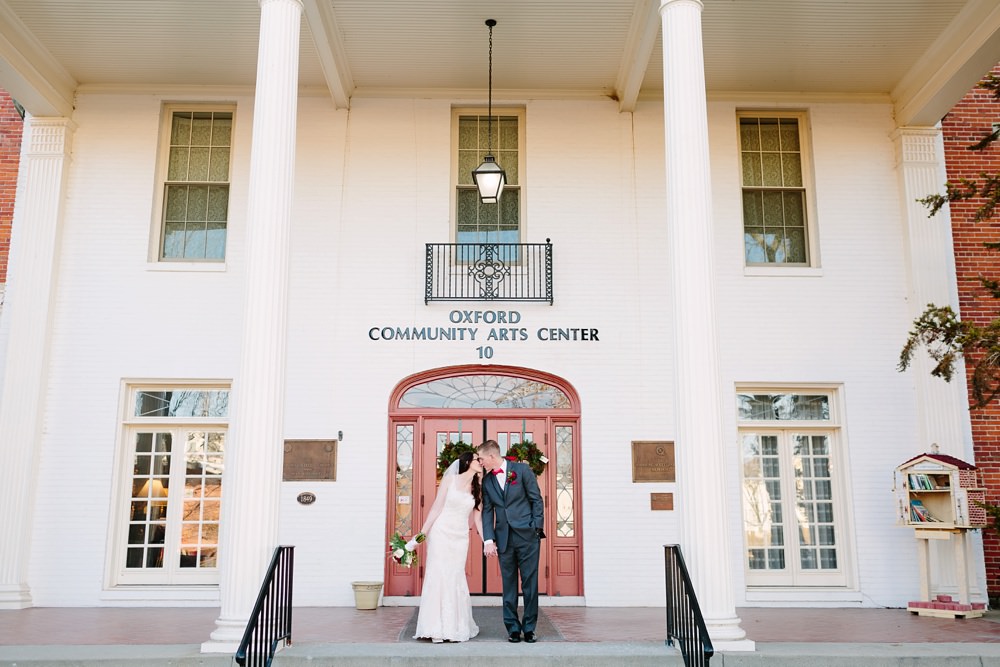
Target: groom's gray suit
512,517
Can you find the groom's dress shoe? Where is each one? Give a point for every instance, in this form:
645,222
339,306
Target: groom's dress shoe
530,637
515,637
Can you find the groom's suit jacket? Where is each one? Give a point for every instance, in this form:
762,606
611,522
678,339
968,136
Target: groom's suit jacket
518,506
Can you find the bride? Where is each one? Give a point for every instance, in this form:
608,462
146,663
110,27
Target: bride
445,606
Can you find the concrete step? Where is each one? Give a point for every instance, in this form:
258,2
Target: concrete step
482,654
497,654
863,655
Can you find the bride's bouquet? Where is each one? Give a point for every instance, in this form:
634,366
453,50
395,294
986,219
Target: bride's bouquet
403,552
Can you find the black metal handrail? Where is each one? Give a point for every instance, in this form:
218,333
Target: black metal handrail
271,619
685,624
488,272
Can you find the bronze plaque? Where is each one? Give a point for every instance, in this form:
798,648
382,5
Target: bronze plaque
310,460
661,501
653,461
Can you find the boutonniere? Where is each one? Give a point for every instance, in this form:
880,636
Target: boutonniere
512,477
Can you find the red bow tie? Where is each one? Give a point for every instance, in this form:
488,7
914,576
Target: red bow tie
498,471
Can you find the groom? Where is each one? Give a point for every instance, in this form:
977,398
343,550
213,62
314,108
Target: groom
512,528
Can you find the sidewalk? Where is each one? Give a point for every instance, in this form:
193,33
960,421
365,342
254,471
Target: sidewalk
335,625
569,637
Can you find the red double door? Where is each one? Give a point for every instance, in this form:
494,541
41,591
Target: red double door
562,546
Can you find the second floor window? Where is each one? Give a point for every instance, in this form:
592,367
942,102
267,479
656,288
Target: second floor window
775,218
476,222
195,191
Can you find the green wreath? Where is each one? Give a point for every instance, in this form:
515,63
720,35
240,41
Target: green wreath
449,453
529,453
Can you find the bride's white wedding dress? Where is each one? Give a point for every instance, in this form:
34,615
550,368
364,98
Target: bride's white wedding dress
445,606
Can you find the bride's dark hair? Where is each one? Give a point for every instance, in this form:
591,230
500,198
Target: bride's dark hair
464,461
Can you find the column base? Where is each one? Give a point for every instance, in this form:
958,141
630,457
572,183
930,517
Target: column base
227,636
15,597
727,635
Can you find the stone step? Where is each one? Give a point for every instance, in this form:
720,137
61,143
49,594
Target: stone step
501,654
482,654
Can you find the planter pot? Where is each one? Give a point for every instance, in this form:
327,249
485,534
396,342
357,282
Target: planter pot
366,594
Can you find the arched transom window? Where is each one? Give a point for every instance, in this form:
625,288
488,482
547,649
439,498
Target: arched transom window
485,391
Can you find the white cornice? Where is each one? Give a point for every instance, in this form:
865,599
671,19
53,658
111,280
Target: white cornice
637,51
744,98
479,97
29,72
476,97
185,91
964,52
330,49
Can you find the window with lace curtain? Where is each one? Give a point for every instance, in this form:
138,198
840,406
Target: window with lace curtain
476,222
776,200
193,196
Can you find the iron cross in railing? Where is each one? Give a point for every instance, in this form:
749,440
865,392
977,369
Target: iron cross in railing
488,270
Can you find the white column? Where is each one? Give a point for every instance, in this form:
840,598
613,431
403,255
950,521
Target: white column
252,479
942,407
29,304
700,450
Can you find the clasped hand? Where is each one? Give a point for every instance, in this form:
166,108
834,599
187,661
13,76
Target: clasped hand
490,549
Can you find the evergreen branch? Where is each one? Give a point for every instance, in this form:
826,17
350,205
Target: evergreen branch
985,141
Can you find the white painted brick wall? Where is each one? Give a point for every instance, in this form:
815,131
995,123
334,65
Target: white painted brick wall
357,245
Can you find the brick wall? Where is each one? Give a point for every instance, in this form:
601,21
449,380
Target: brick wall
10,153
963,126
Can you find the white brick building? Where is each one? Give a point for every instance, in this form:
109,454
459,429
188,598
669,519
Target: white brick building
214,250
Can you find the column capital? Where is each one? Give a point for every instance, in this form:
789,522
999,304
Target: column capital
916,145
297,3
48,136
697,3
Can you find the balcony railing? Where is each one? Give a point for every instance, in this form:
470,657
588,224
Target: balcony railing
489,272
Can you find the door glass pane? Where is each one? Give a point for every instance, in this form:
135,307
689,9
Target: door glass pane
147,525
507,438
453,437
404,479
762,515
565,514
199,543
814,502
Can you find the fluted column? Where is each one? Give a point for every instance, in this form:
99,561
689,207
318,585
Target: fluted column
942,407
701,485
252,478
29,304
